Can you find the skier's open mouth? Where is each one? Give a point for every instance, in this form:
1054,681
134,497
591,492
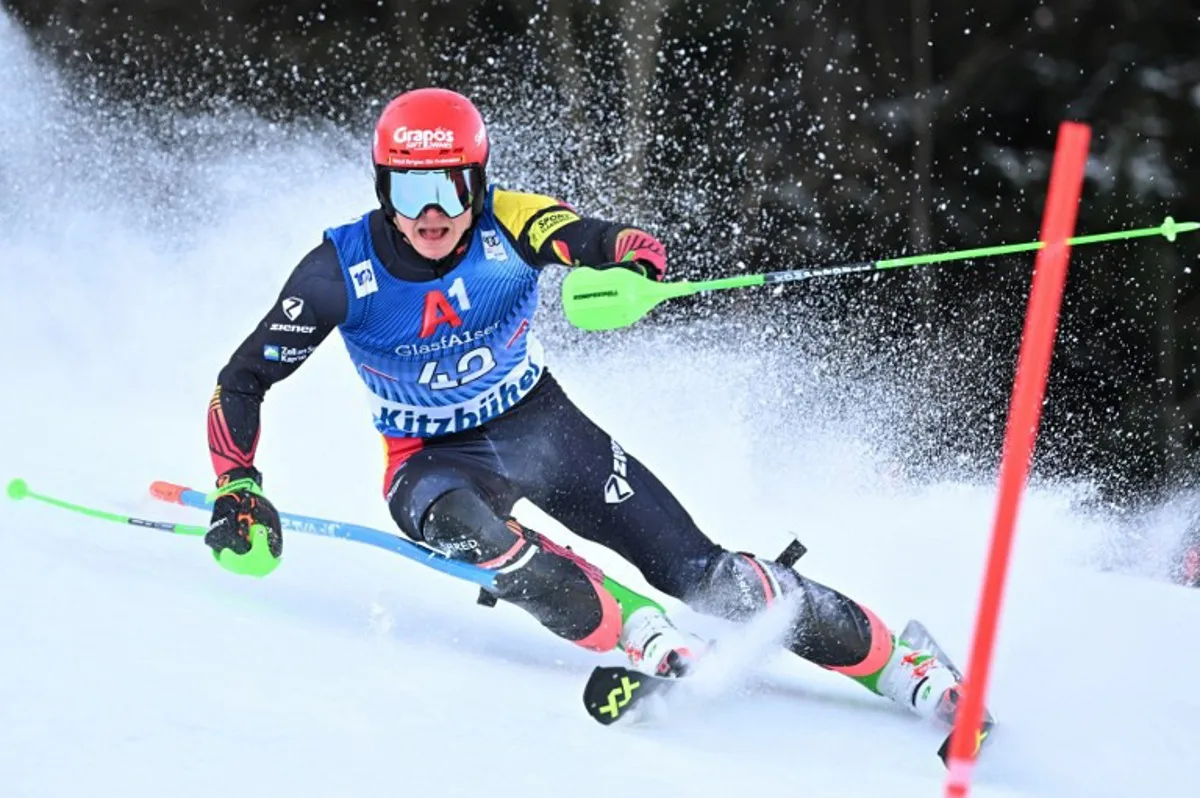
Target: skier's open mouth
433,234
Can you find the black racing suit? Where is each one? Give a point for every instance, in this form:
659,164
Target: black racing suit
456,491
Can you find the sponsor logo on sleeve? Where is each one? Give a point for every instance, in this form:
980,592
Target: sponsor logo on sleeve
286,354
292,328
545,226
292,307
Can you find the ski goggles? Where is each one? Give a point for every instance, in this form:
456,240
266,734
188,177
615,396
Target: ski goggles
452,190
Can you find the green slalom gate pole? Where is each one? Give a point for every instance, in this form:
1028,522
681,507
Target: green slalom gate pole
605,299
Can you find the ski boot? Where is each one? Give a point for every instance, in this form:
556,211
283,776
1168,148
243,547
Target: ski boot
656,647
916,679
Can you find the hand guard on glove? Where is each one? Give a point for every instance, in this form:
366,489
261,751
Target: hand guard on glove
245,533
641,252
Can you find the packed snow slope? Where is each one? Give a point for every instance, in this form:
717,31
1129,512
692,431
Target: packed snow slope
131,665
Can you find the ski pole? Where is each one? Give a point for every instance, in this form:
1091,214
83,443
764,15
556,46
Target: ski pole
605,299
19,489
309,525
628,598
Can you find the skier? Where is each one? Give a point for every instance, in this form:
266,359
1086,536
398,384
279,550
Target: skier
433,293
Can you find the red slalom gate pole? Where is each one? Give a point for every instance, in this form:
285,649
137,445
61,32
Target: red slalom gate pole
1029,389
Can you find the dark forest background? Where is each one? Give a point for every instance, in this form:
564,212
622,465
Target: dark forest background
766,135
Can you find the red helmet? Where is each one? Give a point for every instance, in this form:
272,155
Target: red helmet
439,134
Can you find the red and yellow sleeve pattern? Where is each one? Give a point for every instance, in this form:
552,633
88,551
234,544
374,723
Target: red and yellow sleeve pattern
547,231
224,447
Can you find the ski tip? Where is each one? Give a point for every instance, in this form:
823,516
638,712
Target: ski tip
167,491
17,489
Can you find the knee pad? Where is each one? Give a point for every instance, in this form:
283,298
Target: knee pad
462,526
415,487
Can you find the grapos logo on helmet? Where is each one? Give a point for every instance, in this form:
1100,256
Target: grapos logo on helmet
423,139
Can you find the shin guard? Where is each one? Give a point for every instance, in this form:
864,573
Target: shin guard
558,588
829,629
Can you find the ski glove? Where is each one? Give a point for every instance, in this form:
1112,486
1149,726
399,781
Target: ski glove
642,252
244,534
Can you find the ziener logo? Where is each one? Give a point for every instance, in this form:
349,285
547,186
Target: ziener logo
616,487
292,307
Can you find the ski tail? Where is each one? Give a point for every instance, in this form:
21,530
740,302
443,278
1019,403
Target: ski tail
981,737
612,693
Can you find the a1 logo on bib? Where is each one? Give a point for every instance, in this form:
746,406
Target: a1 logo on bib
493,247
